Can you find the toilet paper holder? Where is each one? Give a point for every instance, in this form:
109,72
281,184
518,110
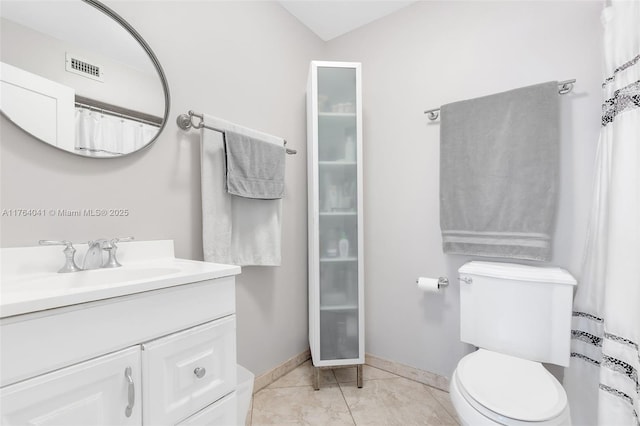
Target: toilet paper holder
442,282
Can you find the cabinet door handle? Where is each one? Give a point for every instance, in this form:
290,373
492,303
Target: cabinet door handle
200,372
131,391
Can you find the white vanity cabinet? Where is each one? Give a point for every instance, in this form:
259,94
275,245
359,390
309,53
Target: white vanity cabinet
101,391
166,349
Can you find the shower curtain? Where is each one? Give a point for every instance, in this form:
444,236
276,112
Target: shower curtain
602,378
103,135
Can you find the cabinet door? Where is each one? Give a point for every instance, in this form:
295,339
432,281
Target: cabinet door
186,371
103,391
222,412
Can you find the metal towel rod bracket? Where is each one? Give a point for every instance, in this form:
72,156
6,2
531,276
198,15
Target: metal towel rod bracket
185,122
564,87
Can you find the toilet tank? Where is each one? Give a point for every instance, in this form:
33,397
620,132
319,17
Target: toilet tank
518,310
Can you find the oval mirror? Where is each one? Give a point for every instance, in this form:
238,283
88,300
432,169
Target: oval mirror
77,76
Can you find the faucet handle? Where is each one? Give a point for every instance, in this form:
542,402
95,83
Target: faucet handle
55,243
112,262
121,240
69,253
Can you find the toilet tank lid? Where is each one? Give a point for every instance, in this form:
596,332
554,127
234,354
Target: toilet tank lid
515,271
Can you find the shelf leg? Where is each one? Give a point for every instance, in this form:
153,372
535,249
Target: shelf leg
359,377
316,378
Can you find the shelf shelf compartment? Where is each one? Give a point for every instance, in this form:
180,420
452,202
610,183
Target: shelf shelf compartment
338,259
337,114
339,308
337,163
339,213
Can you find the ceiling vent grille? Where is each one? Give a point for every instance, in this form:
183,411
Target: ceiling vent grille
83,67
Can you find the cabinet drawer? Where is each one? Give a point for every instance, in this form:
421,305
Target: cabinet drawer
95,392
221,413
186,371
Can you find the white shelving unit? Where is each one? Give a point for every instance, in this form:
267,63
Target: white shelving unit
336,280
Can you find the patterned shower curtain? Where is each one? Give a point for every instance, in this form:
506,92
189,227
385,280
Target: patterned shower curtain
602,379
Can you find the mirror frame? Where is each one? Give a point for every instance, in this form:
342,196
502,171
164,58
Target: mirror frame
156,63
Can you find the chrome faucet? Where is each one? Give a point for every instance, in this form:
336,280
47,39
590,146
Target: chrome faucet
94,257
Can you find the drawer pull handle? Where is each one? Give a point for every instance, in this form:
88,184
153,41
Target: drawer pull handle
200,372
131,391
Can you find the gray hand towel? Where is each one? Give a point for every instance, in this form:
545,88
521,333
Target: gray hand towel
499,160
255,168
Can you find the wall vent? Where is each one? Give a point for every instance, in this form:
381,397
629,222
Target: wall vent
82,67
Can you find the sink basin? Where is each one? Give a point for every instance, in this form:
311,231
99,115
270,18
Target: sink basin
84,279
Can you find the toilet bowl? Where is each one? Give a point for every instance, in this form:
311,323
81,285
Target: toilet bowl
489,388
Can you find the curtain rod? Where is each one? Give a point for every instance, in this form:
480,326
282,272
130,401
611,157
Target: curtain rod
564,88
118,111
185,122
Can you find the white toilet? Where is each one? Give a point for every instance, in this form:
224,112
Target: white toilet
518,316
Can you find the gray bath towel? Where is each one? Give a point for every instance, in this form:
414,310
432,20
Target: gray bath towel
255,168
499,160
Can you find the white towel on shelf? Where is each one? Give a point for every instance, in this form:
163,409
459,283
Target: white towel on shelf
236,230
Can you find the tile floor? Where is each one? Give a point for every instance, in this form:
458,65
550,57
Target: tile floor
385,399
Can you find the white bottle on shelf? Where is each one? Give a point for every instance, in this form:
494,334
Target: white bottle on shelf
343,245
350,149
331,198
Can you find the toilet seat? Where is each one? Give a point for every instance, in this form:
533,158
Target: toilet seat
510,390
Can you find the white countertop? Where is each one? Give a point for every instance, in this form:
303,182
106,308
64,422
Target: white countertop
30,282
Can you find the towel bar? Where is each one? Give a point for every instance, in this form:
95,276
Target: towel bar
185,122
564,88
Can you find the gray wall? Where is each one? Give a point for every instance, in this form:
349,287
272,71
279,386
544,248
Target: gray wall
248,62
421,57
244,61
